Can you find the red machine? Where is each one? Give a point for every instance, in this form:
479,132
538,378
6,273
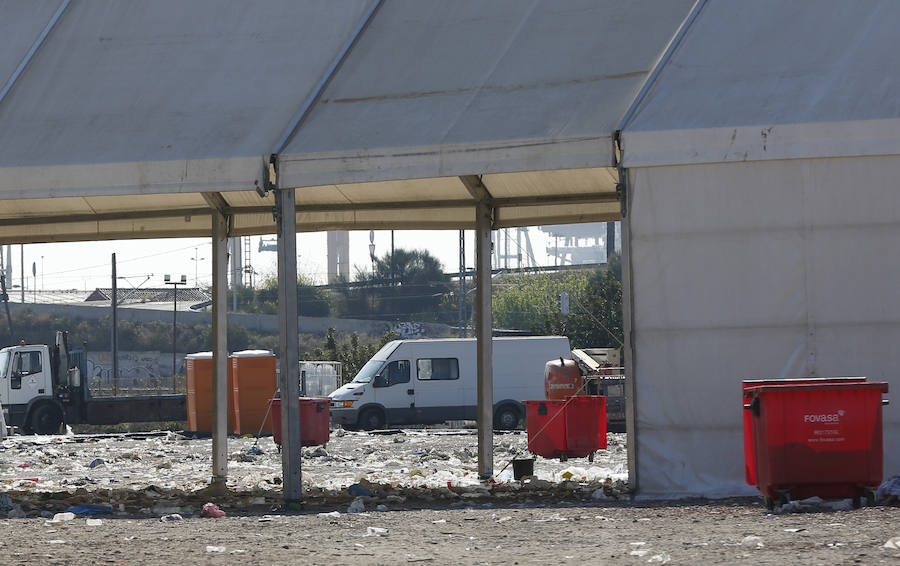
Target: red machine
562,379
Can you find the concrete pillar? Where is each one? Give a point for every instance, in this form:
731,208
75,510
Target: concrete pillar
220,348
288,338
484,322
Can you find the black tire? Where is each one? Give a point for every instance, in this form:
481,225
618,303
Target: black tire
371,419
507,417
770,503
45,419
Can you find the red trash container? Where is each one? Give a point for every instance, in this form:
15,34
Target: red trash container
574,427
546,425
746,385
817,439
314,420
585,425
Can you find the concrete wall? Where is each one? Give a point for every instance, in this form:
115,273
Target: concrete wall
265,323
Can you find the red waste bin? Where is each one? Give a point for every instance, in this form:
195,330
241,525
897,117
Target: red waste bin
563,428
749,459
546,425
314,417
817,439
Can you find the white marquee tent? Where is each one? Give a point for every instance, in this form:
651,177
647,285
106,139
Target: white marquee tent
172,118
758,159
762,222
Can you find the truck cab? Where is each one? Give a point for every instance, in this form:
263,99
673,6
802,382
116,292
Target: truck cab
26,388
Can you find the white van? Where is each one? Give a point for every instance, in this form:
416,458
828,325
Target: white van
432,381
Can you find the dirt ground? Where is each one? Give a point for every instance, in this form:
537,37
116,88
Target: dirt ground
720,532
420,502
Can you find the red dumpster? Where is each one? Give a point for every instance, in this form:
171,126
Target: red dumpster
314,417
546,425
817,439
747,384
574,427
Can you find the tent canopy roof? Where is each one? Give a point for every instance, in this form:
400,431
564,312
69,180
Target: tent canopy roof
792,80
123,119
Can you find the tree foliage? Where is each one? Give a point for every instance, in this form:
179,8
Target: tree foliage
312,300
408,285
531,303
350,351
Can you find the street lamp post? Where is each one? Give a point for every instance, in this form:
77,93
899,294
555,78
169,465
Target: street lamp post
196,260
175,284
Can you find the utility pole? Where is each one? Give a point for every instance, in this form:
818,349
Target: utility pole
3,295
115,329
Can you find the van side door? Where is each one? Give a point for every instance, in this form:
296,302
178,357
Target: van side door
438,390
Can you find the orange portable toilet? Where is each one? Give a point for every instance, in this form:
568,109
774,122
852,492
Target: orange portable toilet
253,374
561,379
199,370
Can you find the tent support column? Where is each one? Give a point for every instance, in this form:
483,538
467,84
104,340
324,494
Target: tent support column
484,322
220,348
288,342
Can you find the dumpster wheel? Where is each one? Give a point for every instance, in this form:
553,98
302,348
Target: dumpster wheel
784,498
869,494
870,497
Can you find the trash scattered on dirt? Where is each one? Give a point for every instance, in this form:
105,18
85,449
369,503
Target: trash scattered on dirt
376,532
168,474
93,522
90,510
893,543
211,511
215,549
888,493
752,540
357,490
171,518
357,506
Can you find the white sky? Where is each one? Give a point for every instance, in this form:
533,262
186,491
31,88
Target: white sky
86,265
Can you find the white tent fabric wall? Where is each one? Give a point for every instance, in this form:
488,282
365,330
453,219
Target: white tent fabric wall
746,271
762,224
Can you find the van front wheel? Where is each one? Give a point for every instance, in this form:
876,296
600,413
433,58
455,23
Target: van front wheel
507,418
371,419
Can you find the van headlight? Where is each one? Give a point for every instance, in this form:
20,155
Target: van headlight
348,404
344,404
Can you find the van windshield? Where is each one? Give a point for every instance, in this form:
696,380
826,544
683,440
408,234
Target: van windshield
369,371
4,361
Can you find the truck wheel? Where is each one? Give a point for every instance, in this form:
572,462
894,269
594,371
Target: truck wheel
371,419
45,419
507,418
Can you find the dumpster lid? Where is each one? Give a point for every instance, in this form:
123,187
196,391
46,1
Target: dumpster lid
785,380
881,386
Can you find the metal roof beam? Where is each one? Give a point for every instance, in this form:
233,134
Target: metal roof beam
476,188
227,210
